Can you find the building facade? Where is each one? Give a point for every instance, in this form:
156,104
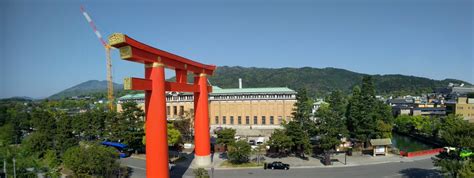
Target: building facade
463,106
252,112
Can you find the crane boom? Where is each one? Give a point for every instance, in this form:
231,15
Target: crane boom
107,47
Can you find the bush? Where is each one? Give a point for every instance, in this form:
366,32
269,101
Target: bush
91,160
201,173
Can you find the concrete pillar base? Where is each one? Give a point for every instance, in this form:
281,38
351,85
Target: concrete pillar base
202,161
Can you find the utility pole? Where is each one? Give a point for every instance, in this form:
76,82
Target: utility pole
14,168
5,167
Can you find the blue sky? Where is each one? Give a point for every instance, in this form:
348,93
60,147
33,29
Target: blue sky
47,47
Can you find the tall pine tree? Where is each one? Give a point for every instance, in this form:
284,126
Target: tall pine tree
368,118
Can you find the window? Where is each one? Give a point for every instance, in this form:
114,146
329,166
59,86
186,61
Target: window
224,121
280,119
175,110
247,120
168,110
272,120
217,120
239,120
231,119
181,110
264,120
255,119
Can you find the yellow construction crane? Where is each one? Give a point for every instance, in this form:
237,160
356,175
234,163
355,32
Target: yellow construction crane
107,47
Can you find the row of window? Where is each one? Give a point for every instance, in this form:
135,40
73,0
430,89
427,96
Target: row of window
175,110
239,121
232,97
461,107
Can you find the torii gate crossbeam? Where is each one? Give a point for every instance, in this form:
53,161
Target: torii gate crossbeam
155,86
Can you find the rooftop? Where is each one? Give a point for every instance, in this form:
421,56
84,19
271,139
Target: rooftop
252,90
380,142
221,91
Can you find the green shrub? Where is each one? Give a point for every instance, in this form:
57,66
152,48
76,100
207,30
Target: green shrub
91,160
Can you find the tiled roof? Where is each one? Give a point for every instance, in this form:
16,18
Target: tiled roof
217,90
133,96
382,141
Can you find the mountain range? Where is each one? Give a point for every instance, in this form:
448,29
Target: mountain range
318,81
86,88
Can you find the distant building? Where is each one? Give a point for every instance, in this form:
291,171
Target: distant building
429,111
454,91
252,112
401,106
462,106
417,106
316,106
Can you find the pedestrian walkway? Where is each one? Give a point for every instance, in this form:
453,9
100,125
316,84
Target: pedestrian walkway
337,161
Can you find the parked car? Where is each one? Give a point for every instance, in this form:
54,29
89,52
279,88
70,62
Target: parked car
277,165
122,149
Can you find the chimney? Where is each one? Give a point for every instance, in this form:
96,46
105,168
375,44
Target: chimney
240,83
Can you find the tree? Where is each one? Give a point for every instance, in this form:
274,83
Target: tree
16,114
280,141
239,152
457,132
133,118
37,143
403,124
299,137
91,160
64,137
22,158
183,124
384,120
7,134
338,103
353,113
259,151
174,136
368,118
92,124
303,107
43,121
331,127
126,127
51,163
453,165
226,136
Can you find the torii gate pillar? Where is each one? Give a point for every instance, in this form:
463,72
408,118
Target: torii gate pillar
201,123
155,86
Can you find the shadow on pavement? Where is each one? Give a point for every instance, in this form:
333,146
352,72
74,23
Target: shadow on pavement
417,172
181,167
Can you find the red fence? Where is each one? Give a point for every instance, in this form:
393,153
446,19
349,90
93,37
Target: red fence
421,153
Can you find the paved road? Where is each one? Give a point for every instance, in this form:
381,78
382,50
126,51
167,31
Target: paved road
419,168
138,167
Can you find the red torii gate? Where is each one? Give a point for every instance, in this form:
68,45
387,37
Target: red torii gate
155,86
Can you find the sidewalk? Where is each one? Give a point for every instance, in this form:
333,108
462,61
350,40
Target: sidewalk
337,160
311,162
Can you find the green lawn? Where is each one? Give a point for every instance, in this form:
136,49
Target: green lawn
249,164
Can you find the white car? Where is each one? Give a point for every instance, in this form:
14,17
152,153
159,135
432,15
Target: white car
448,149
171,165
